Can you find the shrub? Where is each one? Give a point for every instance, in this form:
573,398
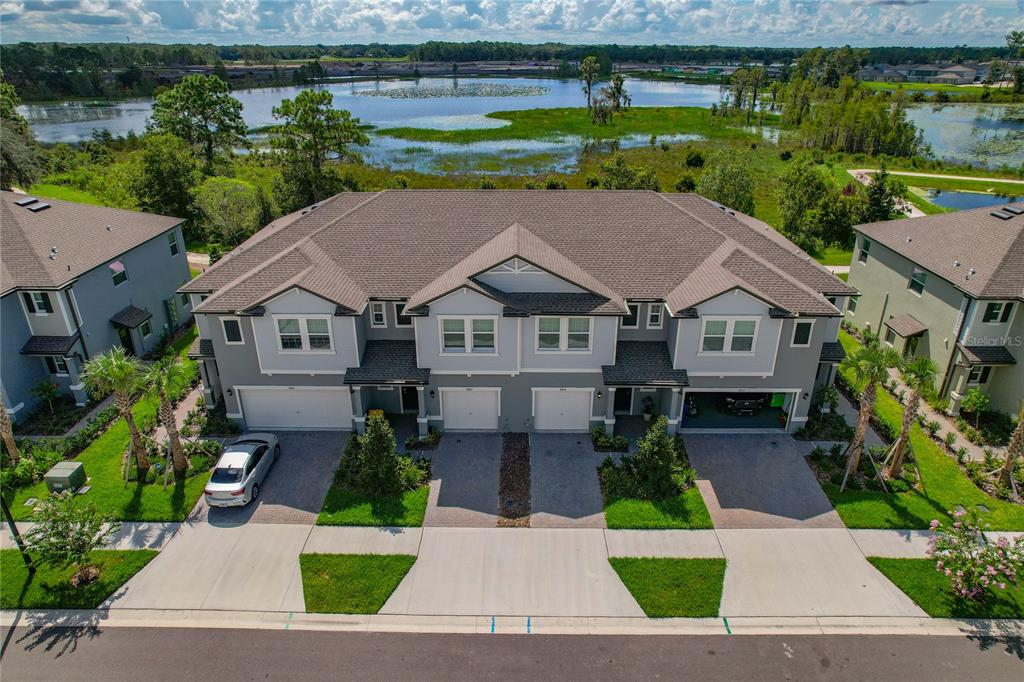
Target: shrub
974,403
785,155
973,564
487,183
371,464
686,184
554,182
604,443
658,470
950,439
694,159
932,426
593,182
65,533
427,442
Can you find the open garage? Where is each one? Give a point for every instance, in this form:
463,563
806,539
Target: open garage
733,410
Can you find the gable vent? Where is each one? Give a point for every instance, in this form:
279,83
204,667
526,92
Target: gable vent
36,208
26,201
1013,209
1002,215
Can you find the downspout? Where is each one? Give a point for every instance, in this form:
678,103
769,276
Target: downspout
78,323
965,313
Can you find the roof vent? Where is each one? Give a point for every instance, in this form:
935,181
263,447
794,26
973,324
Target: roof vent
1015,210
36,208
26,201
110,228
909,240
54,250
1002,215
956,264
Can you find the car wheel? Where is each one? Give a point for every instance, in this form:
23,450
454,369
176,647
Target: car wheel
277,452
255,492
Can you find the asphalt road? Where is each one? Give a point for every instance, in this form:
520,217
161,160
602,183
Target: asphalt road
112,654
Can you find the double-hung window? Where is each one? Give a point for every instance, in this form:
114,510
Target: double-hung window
978,375
468,335
378,315
997,313
118,273
172,242
917,280
232,331
728,335
146,328
304,334
802,333
654,312
865,248
563,334
38,302
57,365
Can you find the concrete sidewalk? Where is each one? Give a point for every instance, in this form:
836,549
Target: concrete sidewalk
130,535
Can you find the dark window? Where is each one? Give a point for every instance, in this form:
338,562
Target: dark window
1007,309
226,475
172,242
232,331
146,328
633,319
890,336
992,311
402,320
865,248
38,302
56,364
851,305
802,334
118,273
917,280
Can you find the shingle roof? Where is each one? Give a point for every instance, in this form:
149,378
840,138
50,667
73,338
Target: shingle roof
987,355
978,252
421,244
131,317
48,345
388,362
201,348
79,234
643,363
906,325
832,351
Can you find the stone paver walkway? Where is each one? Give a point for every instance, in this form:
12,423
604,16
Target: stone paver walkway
564,488
464,487
186,405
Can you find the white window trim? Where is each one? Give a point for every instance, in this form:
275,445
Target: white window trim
184,300
172,244
1002,309
563,335
865,248
659,308
241,341
40,311
58,373
383,312
810,335
144,334
981,369
639,311
398,321
885,337
729,323
911,281
852,301
467,331
304,334
113,274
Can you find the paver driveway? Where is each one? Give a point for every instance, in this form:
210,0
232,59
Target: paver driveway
759,481
564,488
464,487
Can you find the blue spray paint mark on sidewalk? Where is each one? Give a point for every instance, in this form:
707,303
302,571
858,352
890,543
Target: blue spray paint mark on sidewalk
529,624
492,625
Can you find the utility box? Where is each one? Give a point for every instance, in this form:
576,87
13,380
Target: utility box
65,476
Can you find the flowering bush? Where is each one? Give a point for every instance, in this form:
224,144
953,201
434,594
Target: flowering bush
972,563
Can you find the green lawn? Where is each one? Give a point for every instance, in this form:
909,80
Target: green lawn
686,510
48,191
50,588
673,588
931,590
108,492
348,508
945,485
531,124
351,583
988,185
919,198
833,255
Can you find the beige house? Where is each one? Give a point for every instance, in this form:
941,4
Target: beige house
948,287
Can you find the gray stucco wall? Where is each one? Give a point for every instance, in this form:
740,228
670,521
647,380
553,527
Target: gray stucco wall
644,332
1006,385
391,332
19,373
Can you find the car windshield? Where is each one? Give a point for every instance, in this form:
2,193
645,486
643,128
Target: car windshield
226,475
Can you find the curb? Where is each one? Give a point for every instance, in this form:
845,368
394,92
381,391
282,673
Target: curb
508,625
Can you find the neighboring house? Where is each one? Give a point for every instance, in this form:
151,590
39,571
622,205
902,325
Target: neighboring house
76,280
948,287
514,311
949,74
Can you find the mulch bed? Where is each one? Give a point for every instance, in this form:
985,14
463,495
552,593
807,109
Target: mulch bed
514,481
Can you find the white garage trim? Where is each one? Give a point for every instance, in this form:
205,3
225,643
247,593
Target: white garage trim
789,415
468,389
558,389
342,425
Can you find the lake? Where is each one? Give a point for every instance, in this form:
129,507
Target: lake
964,200
983,134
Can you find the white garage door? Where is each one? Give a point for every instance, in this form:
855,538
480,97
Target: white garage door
561,410
296,408
470,409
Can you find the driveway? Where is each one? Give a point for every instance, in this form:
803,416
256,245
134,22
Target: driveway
759,481
464,487
296,486
244,559
564,488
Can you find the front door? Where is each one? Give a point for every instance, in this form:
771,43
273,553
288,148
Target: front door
910,350
125,335
623,400
410,399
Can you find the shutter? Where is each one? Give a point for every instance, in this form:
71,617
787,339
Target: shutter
47,305
28,301
1007,309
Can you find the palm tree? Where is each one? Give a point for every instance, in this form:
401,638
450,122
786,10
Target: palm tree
919,375
869,366
161,378
1014,451
589,69
7,434
616,93
121,374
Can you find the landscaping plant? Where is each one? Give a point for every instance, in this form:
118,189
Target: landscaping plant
372,465
7,434
972,563
1014,453
920,376
657,471
65,533
974,402
48,391
868,366
163,377
121,374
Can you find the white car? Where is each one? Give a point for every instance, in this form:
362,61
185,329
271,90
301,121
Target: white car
235,481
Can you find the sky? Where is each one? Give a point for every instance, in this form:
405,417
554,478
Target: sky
782,23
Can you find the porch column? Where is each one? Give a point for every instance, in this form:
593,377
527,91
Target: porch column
609,411
421,416
77,385
676,410
358,416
